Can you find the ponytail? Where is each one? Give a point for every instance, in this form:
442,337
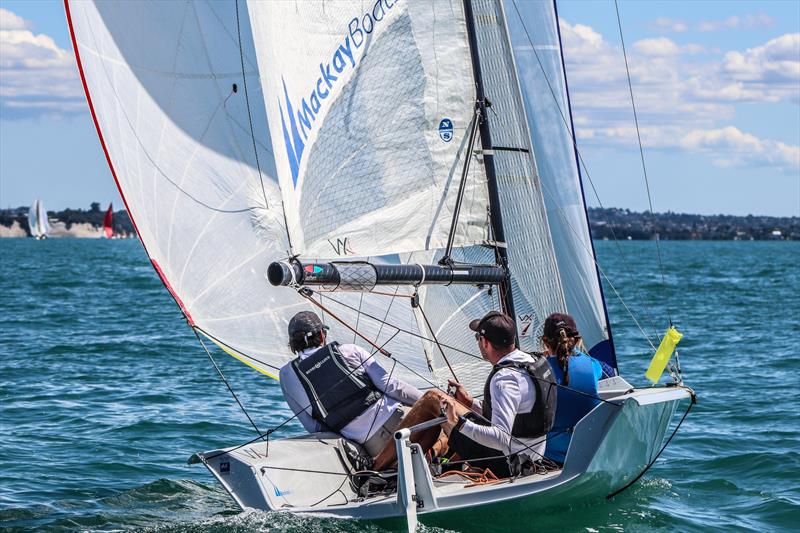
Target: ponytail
563,347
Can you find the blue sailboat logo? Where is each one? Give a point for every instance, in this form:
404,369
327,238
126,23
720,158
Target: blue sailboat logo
446,130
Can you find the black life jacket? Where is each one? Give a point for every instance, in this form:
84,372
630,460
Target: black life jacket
337,392
540,420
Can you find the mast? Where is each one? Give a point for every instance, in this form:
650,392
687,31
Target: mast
496,217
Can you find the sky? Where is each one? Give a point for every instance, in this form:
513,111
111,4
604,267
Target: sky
716,86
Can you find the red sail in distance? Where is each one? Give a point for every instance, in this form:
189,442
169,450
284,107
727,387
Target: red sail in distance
108,222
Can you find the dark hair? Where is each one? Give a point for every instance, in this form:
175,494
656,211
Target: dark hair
301,341
501,347
560,336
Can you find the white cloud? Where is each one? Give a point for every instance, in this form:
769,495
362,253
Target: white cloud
681,101
778,59
37,77
660,46
665,24
760,20
10,21
669,25
732,147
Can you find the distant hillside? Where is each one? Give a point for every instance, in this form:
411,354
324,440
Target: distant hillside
625,224
605,224
66,223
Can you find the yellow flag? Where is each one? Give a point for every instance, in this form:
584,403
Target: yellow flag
664,352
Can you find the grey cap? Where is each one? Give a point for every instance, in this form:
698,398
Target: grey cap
305,322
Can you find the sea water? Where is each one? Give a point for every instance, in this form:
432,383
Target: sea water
105,393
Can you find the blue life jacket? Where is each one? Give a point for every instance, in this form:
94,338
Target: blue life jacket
584,373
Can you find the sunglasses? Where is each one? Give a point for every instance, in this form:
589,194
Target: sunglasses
478,335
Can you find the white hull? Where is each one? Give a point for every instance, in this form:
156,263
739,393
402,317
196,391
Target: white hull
609,448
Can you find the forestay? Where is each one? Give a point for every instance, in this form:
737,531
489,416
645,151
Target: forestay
369,106
551,135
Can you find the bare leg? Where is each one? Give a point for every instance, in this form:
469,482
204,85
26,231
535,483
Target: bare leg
426,408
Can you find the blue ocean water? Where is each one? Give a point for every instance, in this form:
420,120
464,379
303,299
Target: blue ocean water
105,393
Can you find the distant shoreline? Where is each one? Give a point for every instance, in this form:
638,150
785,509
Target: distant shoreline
605,223
623,224
74,223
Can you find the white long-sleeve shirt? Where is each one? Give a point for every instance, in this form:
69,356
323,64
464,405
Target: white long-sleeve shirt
396,392
513,392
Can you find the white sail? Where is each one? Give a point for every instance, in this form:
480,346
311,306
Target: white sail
551,137
370,105
159,79
43,222
33,219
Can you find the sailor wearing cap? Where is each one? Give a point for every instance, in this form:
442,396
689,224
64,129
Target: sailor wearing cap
519,401
341,388
577,372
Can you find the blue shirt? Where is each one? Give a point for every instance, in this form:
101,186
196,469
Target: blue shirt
584,373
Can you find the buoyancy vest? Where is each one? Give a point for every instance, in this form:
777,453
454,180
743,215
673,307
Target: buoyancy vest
584,373
337,392
539,420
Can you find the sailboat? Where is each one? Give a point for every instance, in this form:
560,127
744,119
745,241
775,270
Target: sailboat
108,222
37,220
401,167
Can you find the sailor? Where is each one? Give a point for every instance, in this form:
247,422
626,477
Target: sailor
341,387
507,428
578,372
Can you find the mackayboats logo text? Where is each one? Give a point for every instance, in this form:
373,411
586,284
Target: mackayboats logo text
301,118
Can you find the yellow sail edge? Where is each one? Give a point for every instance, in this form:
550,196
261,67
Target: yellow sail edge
230,351
663,353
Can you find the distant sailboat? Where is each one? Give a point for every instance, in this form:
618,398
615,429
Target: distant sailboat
37,220
361,171
108,222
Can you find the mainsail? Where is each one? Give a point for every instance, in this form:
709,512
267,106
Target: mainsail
108,222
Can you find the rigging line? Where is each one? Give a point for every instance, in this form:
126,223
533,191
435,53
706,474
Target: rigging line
435,340
219,341
388,307
651,463
227,384
641,154
358,314
461,186
580,158
342,322
409,332
383,398
252,131
295,415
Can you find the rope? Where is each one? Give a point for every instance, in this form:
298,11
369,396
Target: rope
252,131
591,182
641,154
428,325
486,477
219,371
306,293
651,463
